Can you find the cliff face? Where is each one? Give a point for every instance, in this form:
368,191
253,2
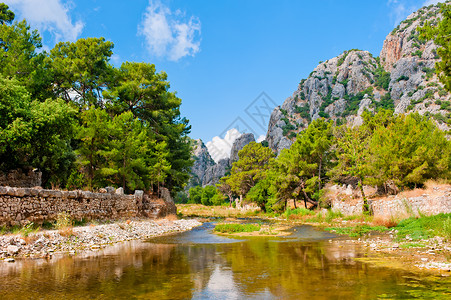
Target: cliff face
239,144
204,171
402,78
202,161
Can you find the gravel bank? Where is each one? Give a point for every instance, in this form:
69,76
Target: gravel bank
47,243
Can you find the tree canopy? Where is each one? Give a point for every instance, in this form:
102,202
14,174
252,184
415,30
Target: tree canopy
83,122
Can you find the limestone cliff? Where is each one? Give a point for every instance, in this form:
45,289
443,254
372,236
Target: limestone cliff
204,171
239,144
401,78
202,161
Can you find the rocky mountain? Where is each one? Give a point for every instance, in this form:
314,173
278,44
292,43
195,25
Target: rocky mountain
205,171
239,144
215,172
402,78
202,161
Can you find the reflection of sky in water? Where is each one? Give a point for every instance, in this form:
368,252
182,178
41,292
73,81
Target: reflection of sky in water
198,235
221,285
195,236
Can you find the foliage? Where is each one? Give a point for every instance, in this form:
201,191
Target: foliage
440,34
425,227
382,78
83,122
34,133
356,231
250,168
408,151
208,195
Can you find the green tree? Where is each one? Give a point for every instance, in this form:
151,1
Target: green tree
250,167
81,70
126,154
315,146
18,57
295,177
33,133
354,155
195,195
137,88
159,165
207,195
6,16
441,35
94,141
408,151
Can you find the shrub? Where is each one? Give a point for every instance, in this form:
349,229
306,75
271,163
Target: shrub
64,224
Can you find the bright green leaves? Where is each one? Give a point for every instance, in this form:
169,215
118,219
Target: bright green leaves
250,168
34,133
6,16
441,34
81,70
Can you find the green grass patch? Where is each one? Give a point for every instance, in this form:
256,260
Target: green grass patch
358,230
233,228
425,227
300,211
412,245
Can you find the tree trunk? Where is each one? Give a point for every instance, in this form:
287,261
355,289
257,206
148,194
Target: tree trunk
319,173
366,207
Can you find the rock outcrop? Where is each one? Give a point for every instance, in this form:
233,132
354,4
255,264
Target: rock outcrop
205,172
215,172
403,78
239,144
202,161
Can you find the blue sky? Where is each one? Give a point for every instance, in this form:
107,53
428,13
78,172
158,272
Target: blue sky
221,55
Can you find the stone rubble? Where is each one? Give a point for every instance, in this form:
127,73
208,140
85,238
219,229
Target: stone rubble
46,243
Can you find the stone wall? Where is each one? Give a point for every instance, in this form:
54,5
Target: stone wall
19,205
19,178
349,202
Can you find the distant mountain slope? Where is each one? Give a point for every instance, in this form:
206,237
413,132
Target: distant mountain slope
402,78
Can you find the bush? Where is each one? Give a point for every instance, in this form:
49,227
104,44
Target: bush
64,224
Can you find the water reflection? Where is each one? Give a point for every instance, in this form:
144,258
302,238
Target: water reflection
200,265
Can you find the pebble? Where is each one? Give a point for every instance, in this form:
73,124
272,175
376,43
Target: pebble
89,237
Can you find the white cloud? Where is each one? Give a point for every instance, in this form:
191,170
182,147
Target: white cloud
261,138
48,15
220,148
167,35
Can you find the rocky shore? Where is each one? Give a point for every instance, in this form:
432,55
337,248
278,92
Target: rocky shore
432,254
46,243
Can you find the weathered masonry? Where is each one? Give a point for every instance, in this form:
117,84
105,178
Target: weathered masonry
20,205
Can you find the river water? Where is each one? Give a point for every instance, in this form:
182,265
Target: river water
310,264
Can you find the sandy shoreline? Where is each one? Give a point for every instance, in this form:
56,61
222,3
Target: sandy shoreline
46,243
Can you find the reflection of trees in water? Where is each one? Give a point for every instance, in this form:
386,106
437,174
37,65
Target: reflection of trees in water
303,269
258,267
148,270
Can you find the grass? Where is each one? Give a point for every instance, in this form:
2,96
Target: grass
234,228
25,230
425,227
412,245
300,211
356,231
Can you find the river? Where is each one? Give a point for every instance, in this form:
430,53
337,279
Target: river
309,264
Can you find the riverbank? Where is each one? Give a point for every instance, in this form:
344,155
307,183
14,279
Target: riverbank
380,237
47,243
